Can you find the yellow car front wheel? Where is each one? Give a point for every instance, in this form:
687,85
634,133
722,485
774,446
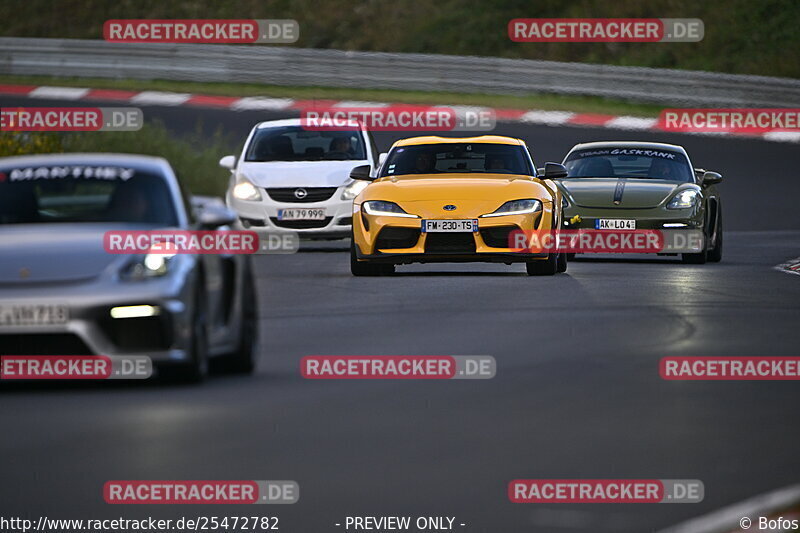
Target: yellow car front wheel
365,268
543,267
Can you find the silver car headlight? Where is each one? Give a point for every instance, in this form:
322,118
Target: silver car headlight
244,190
684,199
152,265
353,189
385,209
516,207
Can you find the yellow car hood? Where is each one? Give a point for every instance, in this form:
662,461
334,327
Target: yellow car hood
437,187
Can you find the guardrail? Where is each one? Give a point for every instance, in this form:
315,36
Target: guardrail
377,70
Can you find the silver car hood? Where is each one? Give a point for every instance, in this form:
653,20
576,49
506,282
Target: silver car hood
38,253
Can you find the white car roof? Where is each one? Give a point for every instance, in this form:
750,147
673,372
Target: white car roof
143,161
292,122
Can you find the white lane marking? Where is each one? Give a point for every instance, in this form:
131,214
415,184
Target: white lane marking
464,111
790,267
706,133
631,123
461,110
727,518
160,98
356,103
59,93
260,102
783,136
546,117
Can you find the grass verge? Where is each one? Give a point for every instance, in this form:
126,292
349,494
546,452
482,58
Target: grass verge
197,167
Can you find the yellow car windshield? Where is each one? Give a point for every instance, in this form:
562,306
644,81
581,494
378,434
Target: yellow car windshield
459,158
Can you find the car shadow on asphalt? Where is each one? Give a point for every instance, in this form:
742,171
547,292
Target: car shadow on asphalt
627,258
154,383
306,249
456,273
9,387
324,246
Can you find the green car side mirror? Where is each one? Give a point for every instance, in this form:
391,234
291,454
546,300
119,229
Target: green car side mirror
554,171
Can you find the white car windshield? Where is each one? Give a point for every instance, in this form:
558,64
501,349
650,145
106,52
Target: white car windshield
293,143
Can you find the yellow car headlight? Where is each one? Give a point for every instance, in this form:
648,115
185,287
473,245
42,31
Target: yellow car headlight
516,207
385,209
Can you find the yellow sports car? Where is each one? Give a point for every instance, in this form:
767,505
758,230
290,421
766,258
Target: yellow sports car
439,199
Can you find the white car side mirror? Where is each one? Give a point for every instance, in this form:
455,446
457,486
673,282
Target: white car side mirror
229,162
382,158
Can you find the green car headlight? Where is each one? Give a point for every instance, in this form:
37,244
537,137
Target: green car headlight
684,199
517,207
385,209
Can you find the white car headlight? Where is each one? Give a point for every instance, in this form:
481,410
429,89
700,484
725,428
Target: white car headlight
684,199
385,209
352,190
246,191
517,207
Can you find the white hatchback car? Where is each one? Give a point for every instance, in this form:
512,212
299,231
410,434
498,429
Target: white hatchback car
288,178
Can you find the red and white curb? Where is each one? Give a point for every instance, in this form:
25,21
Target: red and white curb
258,103
744,516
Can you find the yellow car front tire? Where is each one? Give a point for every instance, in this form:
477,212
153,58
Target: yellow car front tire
546,267
365,268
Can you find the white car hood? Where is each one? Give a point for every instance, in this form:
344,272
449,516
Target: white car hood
299,173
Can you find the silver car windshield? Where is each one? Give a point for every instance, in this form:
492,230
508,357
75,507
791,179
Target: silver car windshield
76,193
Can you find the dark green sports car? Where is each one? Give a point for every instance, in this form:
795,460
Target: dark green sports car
642,186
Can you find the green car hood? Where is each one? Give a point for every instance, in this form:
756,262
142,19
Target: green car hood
601,192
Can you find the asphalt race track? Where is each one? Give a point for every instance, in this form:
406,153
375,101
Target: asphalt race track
577,392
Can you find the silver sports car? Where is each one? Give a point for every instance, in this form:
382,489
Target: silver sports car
62,293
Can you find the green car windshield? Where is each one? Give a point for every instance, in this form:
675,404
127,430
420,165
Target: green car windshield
629,163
